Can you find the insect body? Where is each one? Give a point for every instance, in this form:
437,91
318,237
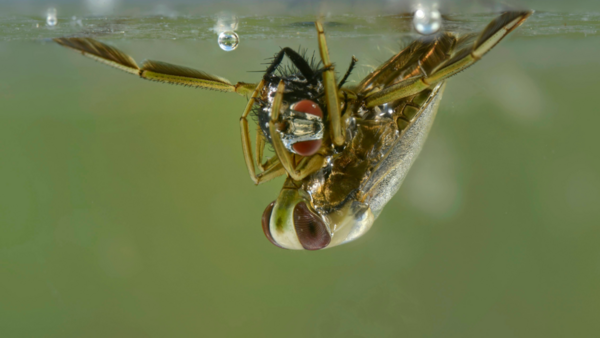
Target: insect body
345,150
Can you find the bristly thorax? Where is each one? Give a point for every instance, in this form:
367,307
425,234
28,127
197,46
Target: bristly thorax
297,88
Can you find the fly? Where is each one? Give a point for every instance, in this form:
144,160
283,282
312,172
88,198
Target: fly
344,149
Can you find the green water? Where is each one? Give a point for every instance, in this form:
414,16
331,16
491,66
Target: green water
127,210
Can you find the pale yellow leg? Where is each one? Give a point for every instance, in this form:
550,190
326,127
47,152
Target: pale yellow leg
309,165
269,162
282,153
260,147
274,168
489,37
331,90
153,70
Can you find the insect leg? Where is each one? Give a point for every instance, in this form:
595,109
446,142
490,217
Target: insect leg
331,89
273,170
309,165
282,153
296,59
260,147
352,64
245,132
268,162
491,35
395,92
153,70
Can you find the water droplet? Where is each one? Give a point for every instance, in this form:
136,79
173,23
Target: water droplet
51,19
228,41
427,21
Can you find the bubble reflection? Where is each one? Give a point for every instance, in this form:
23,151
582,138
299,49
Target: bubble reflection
51,19
427,20
228,41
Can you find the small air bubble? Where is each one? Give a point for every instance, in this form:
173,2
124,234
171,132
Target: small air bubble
228,41
51,19
427,21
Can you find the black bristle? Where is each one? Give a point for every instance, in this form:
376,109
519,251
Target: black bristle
287,69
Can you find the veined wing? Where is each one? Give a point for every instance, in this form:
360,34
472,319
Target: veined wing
386,178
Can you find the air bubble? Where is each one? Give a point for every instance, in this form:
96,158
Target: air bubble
427,21
228,40
51,19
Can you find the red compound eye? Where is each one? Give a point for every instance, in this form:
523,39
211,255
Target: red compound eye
307,148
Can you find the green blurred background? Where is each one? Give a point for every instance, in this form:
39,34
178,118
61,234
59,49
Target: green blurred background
127,211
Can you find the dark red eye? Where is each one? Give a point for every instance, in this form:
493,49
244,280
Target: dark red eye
308,148
266,220
311,230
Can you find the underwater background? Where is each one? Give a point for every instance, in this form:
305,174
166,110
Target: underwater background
126,209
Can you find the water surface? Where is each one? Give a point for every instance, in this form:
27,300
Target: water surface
127,210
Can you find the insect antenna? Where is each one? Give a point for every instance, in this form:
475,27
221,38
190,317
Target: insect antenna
352,64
